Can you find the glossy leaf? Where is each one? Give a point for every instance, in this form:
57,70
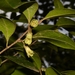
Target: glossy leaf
7,27
58,4
37,61
69,72
65,22
60,12
30,11
22,62
50,71
56,38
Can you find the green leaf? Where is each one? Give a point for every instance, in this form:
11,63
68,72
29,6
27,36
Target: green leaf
56,38
22,62
37,61
50,71
72,32
17,72
43,27
58,4
7,27
60,12
10,5
7,68
30,11
69,72
21,18
65,22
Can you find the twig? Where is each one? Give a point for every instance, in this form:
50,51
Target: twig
13,42
40,72
7,59
41,21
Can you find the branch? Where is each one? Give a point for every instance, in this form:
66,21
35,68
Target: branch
7,59
13,42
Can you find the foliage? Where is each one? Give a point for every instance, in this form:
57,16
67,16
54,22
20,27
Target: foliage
25,49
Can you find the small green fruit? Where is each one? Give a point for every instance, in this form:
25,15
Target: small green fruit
29,52
34,23
29,35
28,39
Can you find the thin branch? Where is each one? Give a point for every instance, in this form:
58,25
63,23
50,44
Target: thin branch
7,59
40,72
41,20
13,42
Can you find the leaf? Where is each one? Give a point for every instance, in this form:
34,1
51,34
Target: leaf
65,22
21,18
69,72
7,68
58,4
30,11
56,38
37,61
10,5
72,32
50,71
7,27
17,72
43,27
60,12
22,62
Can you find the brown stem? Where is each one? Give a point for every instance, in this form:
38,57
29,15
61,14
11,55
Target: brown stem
41,21
40,72
13,42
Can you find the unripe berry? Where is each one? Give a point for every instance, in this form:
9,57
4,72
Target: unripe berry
29,35
28,39
29,52
34,23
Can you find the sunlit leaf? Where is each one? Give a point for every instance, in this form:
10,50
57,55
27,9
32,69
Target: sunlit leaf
30,11
58,4
7,27
65,22
56,38
60,12
50,71
37,61
22,62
